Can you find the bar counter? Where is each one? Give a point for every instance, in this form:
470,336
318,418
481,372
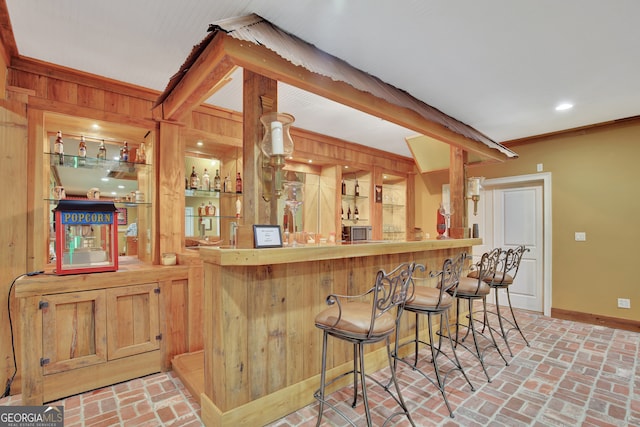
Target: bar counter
262,350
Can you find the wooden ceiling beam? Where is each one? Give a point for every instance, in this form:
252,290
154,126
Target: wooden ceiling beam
207,74
264,61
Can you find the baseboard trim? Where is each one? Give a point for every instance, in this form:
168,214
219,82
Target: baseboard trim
596,319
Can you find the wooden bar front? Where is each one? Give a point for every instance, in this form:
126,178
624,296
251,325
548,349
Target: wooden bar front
262,351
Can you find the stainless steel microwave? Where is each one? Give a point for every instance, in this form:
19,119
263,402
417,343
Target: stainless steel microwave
357,233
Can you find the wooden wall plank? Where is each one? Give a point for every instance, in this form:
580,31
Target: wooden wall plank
57,72
91,97
13,221
62,91
116,103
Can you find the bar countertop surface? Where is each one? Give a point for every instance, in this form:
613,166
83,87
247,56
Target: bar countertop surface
266,256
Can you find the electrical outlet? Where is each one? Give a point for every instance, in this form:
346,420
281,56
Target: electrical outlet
624,303
581,236
539,167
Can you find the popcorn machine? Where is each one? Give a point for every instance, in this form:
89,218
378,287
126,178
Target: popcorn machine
86,236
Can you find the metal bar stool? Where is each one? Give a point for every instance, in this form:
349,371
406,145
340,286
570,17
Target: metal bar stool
472,289
436,302
502,279
351,319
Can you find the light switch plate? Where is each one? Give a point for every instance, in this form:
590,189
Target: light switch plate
581,236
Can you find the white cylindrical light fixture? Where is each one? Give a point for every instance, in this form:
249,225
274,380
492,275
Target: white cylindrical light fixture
277,141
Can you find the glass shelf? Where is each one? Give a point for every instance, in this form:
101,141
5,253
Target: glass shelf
213,216
209,194
352,197
70,161
116,202
355,220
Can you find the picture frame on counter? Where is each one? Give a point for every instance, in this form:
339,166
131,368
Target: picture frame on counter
267,236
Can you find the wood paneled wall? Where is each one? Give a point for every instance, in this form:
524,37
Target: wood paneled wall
13,223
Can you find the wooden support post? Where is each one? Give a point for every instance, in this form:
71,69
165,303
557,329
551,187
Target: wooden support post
258,90
170,193
456,192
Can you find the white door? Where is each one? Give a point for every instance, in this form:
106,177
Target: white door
511,214
518,221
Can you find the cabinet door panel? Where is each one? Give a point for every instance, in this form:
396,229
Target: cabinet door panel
132,324
73,328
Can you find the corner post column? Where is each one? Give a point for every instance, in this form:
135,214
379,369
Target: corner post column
456,188
256,89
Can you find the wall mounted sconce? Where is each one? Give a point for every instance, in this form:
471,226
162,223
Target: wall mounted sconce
473,191
276,146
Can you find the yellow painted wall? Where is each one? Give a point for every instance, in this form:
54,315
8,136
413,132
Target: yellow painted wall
595,189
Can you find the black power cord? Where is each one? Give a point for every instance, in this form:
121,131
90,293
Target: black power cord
7,390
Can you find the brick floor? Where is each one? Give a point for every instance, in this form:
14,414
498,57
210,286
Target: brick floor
573,374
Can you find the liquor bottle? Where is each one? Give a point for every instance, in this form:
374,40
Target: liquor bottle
82,152
341,212
227,184
193,179
344,187
141,155
238,208
124,152
216,181
58,148
206,183
441,223
211,210
82,148
349,212
285,219
357,190
102,151
238,183
356,215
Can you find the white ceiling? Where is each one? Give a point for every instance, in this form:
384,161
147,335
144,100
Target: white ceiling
500,66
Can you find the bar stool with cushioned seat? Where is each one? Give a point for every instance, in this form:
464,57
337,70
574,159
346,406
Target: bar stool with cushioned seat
351,319
432,302
502,279
472,289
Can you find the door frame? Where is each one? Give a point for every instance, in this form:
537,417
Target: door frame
545,179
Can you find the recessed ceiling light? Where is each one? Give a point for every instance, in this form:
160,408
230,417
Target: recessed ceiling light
564,106
105,179
199,143
310,161
95,126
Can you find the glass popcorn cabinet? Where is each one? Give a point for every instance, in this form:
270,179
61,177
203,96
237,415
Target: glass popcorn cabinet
86,236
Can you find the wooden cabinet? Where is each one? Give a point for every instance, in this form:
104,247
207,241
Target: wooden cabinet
133,326
81,332
77,331
73,331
